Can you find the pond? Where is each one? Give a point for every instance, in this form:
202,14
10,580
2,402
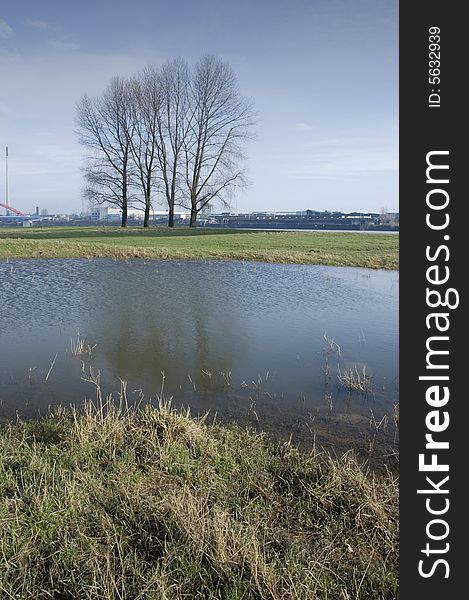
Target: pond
279,347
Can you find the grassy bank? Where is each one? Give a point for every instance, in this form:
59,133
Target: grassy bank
152,504
376,251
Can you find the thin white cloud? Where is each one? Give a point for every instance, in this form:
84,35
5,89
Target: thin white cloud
43,25
304,127
5,30
343,162
63,46
336,158
8,56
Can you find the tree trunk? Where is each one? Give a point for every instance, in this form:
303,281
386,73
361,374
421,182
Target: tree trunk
193,221
124,216
146,218
171,215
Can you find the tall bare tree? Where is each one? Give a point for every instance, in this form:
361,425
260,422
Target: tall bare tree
169,130
146,101
161,109
106,127
173,121
220,122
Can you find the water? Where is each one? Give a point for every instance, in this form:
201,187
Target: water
259,344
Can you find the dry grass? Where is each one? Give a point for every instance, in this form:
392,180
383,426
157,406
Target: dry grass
79,347
152,504
353,379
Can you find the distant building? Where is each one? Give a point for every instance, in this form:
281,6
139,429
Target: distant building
99,212
111,213
307,219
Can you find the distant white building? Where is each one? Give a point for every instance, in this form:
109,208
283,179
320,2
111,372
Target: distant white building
111,213
178,214
99,212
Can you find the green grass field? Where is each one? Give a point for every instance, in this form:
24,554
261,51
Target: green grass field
152,504
376,251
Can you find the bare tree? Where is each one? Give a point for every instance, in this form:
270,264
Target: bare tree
145,106
160,107
170,130
105,128
219,123
173,121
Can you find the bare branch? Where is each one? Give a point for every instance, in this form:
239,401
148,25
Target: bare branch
221,121
106,128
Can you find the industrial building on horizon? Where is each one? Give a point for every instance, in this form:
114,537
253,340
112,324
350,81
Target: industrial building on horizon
300,219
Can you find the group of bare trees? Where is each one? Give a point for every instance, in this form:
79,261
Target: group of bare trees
175,133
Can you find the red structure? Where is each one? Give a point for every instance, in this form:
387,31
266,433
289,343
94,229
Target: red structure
15,211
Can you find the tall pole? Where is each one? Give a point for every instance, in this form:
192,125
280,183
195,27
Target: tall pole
6,180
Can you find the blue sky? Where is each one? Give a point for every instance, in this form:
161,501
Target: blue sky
323,75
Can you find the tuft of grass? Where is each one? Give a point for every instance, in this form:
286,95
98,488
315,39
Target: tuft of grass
110,503
371,250
79,347
356,380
